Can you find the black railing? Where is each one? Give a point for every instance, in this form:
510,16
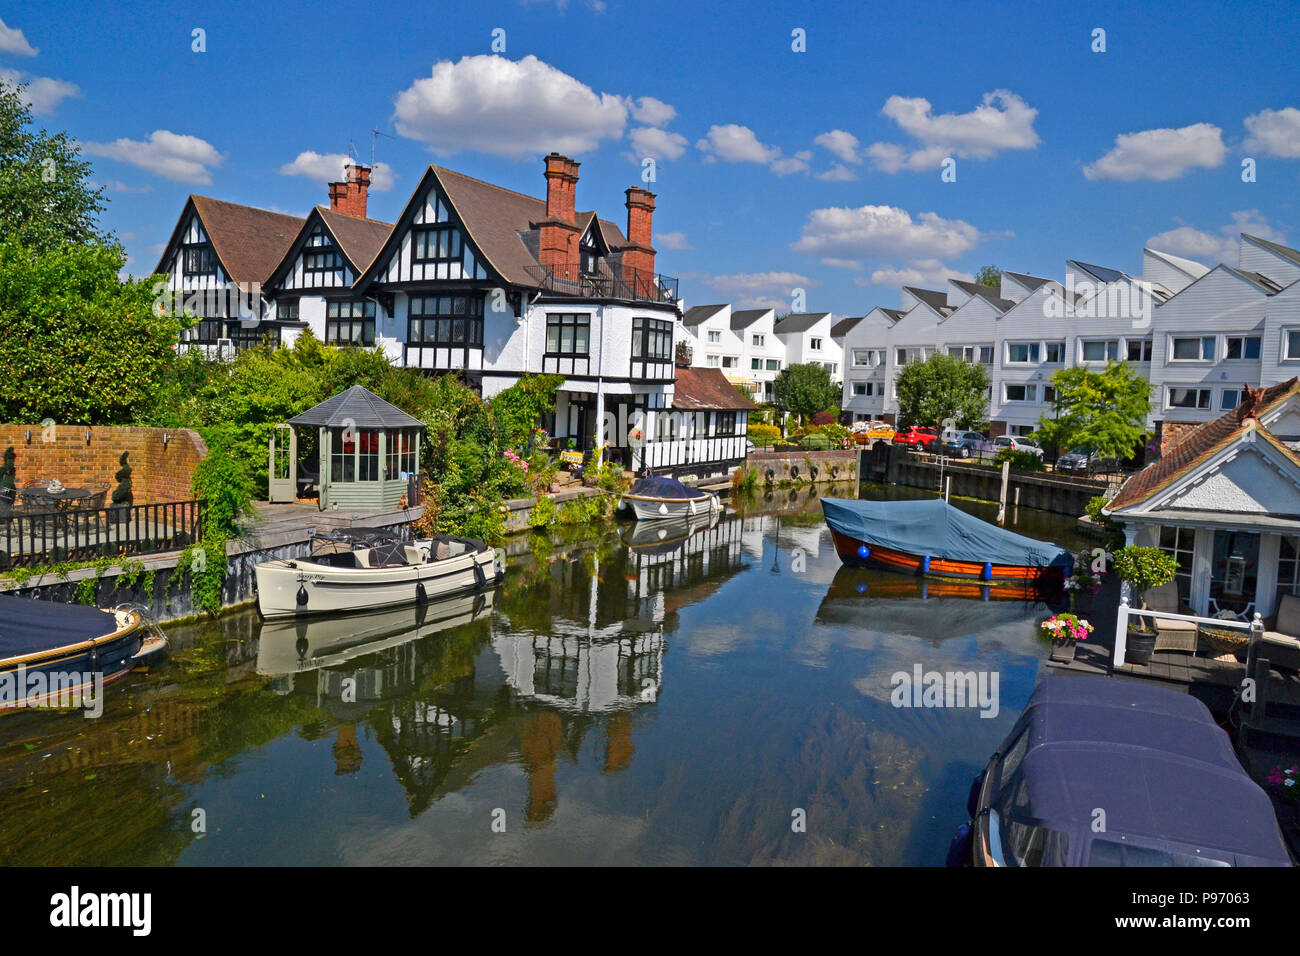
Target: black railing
630,285
28,539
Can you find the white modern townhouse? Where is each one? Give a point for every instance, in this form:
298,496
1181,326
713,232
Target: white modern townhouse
707,330
764,353
471,278
807,340
912,338
865,346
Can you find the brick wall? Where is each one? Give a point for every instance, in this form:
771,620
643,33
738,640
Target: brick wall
157,474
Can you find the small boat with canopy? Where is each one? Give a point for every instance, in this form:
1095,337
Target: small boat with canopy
656,498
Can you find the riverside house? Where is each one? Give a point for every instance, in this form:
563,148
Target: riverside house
471,278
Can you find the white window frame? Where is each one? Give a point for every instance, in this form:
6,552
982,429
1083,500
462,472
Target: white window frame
1198,407
1259,347
1060,353
714,336
1033,349
870,358
1286,353
814,345
757,341
1174,338
1031,393
1111,349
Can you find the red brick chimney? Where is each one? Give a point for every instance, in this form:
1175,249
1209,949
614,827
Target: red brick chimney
558,232
349,197
638,254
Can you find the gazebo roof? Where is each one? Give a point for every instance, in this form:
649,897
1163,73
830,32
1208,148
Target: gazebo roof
359,407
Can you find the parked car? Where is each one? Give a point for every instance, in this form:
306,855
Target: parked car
1080,460
1151,758
917,436
967,445
1017,443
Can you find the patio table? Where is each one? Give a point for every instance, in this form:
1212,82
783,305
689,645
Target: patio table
61,500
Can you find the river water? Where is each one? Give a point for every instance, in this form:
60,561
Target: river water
715,694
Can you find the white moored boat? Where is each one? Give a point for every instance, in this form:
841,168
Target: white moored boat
358,569
655,498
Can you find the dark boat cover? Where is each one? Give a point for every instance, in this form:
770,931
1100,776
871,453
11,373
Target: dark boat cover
665,488
30,627
1153,758
937,529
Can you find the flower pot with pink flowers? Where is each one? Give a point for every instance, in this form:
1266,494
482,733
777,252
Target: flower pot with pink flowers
1063,630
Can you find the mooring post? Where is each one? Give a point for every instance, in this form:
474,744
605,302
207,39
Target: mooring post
1002,498
947,488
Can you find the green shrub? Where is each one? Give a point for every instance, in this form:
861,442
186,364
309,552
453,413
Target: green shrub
544,514
834,431
1143,567
761,434
1020,460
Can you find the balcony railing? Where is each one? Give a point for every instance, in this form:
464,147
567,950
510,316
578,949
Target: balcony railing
1251,628
633,286
28,538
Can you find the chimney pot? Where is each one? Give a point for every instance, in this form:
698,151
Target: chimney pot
350,197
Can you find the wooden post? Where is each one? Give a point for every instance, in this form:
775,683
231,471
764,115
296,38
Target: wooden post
947,488
1002,498
1121,633
1017,497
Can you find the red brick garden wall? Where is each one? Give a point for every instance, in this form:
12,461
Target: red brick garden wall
158,473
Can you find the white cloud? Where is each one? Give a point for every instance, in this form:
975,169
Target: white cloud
507,108
13,41
1002,121
758,290
798,163
328,168
1160,154
838,173
877,231
736,144
841,144
43,93
1275,132
673,240
659,143
651,112
174,156
1211,248
117,186
929,273
596,6
835,263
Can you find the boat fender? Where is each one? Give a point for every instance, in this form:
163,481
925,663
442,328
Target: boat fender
987,573
420,596
302,595
663,509
300,646
864,552
925,564
812,472
835,471
973,795
962,847
480,579
769,475
690,507
794,471
480,601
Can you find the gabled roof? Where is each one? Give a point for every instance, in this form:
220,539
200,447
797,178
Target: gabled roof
249,242
931,297
988,293
359,407
1262,282
799,321
1200,444
1025,279
893,314
844,326
746,317
701,389
701,313
358,239
1286,252
1187,267
1100,273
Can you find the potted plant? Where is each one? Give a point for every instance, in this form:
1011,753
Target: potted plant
123,496
1063,630
1083,584
1142,568
8,484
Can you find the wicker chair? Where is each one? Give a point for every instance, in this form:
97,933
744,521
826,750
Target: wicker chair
1171,635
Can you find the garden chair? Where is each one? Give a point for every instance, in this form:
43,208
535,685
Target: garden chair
1171,635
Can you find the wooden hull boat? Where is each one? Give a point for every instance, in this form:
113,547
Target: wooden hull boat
368,569
58,655
654,499
934,538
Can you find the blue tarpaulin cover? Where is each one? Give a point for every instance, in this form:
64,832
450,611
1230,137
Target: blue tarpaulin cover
664,488
937,529
29,627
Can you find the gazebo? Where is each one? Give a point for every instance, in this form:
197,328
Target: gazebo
368,450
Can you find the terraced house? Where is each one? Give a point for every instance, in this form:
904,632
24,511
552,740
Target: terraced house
471,278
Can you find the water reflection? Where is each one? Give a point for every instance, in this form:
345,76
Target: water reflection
651,694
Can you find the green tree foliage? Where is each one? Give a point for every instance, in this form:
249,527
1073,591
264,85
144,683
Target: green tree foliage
46,197
943,387
80,345
1102,411
519,408
805,390
1143,568
990,276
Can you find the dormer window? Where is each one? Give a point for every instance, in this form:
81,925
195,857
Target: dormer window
590,256
320,255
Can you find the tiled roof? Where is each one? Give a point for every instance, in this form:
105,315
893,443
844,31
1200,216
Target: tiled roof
250,242
359,407
844,326
746,317
701,313
701,389
1025,279
360,239
984,292
799,321
934,299
1200,444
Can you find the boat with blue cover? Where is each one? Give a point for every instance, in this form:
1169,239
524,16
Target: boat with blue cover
932,537
51,654
658,498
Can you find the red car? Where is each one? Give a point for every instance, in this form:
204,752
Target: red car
919,436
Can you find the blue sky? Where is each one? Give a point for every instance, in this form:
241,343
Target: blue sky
775,169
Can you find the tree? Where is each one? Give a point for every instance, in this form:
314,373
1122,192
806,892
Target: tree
46,197
684,353
943,388
1103,412
990,276
805,390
